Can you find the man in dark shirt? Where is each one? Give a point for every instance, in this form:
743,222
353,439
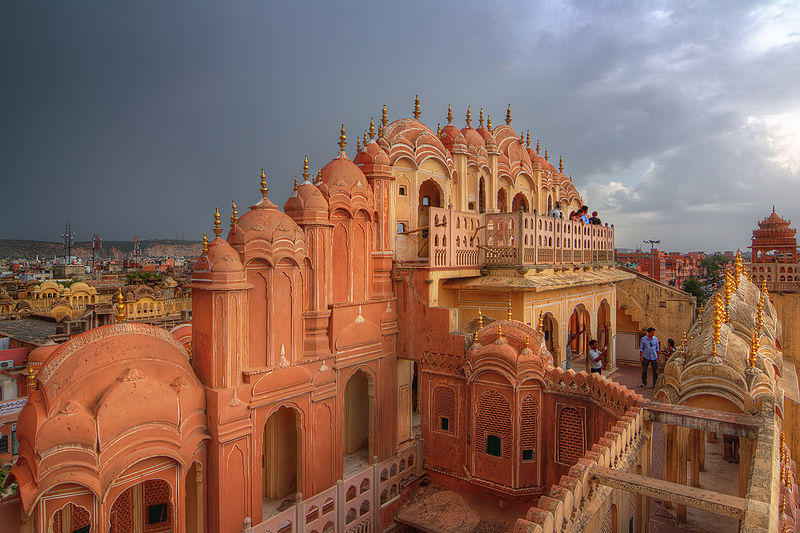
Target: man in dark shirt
593,219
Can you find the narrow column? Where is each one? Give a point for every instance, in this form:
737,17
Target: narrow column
696,438
745,459
682,449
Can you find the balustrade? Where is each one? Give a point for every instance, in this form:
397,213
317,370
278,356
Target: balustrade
468,240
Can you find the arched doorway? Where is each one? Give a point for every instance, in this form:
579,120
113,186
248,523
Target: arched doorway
520,203
193,507
430,195
145,506
359,421
579,326
482,195
282,458
501,200
550,330
70,519
604,334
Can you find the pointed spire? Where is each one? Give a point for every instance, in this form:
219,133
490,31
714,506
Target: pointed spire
760,314
537,146
683,345
540,325
305,169
561,164
358,143
469,117
205,244
417,111
528,138
295,186
438,129
384,117
380,131
371,129
546,155
508,308
234,215
449,114
365,140
480,119
342,139
474,336
480,318
489,123
522,138
264,189
508,115
700,315
753,349
527,342
217,228
499,331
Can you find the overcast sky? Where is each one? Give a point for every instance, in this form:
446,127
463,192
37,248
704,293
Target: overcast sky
679,121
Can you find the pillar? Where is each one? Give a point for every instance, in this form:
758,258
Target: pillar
682,445
745,459
695,445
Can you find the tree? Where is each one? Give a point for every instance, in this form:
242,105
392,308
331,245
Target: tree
714,265
693,286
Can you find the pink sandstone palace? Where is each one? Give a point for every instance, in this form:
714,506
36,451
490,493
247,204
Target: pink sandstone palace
388,354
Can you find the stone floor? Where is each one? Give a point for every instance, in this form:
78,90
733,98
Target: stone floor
355,462
719,475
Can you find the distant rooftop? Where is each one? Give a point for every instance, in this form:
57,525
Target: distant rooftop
31,330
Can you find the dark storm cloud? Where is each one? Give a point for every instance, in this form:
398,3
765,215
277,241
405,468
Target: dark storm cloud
679,121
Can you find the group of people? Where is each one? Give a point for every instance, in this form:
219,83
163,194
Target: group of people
581,214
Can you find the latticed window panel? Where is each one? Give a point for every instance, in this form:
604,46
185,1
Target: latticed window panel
444,406
570,435
122,513
528,416
156,492
494,418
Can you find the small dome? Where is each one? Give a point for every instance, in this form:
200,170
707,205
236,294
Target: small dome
307,202
342,175
372,154
473,138
452,138
488,137
266,222
222,257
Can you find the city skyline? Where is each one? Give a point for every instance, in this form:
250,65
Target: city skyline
131,121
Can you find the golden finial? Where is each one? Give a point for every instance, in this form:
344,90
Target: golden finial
783,505
264,189
537,146
217,228
474,336
480,119
489,123
522,138
365,140
783,441
508,115
738,267
508,309
499,331
683,345
540,326
305,169
714,287
546,155
527,342
449,114
380,131
753,349
787,474
121,305
384,117
358,142
438,129
342,139
31,378
480,318
760,314
205,244
371,130
318,177
700,314
469,117
417,111
560,164
234,215
295,185
528,138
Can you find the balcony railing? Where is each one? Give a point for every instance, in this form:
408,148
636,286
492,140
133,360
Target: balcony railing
457,239
352,505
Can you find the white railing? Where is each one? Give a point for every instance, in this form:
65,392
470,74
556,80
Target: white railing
350,505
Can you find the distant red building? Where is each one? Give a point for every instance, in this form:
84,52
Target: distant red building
775,259
672,268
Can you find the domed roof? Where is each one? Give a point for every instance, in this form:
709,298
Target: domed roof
341,174
488,137
412,132
306,203
518,352
372,154
473,138
452,139
221,265
40,354
107,399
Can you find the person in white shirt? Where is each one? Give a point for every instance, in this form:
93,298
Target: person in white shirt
555,212
596,357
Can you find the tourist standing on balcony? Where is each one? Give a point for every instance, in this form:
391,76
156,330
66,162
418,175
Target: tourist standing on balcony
555,212
570,340
596,357
594,219
582,214
648,354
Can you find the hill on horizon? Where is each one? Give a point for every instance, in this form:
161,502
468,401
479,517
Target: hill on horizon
29,249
